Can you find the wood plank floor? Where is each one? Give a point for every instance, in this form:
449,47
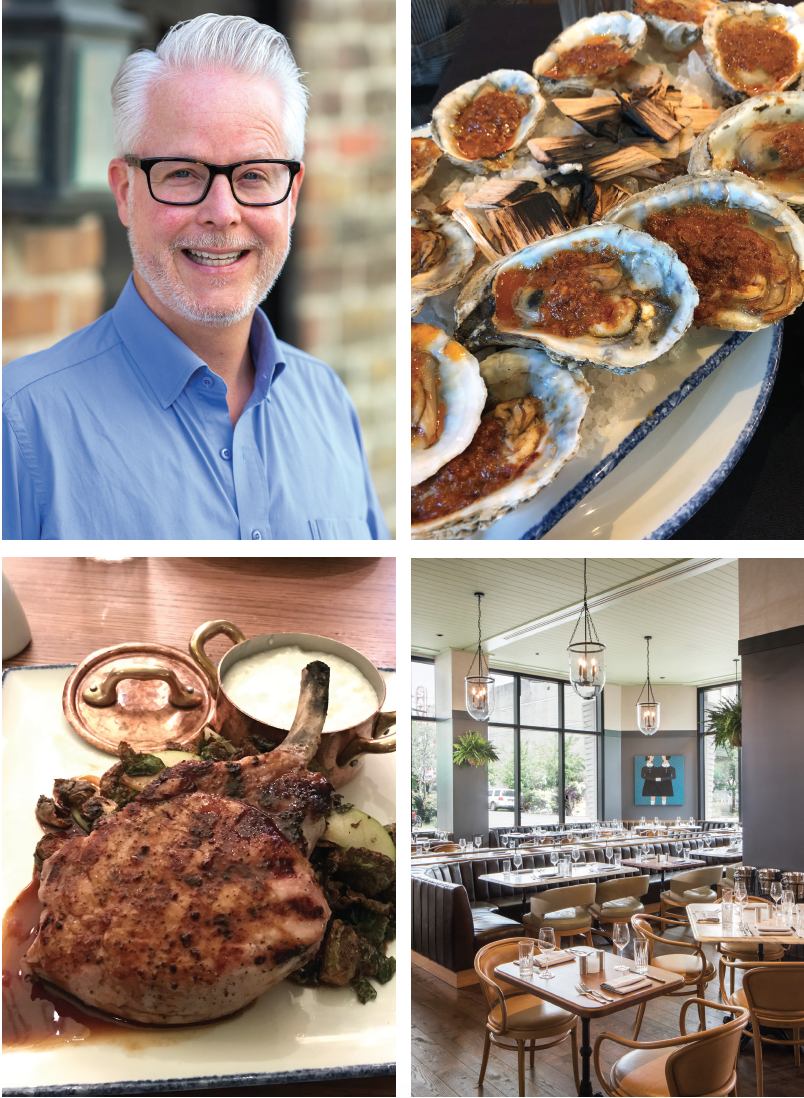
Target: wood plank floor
447,1045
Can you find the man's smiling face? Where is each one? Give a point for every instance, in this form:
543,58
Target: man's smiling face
218,118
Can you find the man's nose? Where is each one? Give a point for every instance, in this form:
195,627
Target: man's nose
220,205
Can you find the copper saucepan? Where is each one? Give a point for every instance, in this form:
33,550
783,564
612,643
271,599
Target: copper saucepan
341,750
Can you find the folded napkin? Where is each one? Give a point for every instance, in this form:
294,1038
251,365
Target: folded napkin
624,985
769,927
557,957
549,873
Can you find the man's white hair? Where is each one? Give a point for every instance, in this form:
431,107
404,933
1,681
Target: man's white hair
210,43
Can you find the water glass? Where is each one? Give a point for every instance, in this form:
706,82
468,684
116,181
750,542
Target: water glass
641,954
618,858
727,913
507,869
526,958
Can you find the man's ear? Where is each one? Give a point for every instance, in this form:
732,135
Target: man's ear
120,186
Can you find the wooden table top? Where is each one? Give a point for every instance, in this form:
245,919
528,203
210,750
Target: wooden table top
525,878
716,932
76,605
561,990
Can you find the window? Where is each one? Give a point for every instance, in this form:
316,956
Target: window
547,739
719,766
424,792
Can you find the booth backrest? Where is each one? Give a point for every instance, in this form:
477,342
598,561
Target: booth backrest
442,923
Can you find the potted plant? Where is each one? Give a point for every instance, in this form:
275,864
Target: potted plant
472,750
726,721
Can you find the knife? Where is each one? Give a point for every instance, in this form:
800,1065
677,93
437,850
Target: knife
648,976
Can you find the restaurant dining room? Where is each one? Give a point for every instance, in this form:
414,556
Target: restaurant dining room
607,826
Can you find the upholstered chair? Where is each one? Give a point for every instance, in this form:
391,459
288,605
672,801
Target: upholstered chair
565,909
687,960
694,887
727,880
445,848
774,997
517,1020
702,1063
618,900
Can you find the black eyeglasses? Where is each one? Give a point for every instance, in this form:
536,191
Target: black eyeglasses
178,181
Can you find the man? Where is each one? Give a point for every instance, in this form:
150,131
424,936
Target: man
178,414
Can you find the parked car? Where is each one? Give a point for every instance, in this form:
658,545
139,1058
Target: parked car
501,798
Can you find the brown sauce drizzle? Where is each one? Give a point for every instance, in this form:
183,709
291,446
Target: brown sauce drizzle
748,45
569,301
487,126
722,251
423,153
677,12
596,56
481,469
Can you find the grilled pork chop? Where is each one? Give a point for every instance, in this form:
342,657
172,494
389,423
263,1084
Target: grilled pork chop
197,897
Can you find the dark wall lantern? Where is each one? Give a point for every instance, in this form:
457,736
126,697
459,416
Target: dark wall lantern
59,60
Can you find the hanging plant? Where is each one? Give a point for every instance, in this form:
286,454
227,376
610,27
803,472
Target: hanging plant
471,749
726,721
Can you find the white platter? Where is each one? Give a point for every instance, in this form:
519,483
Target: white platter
289,1035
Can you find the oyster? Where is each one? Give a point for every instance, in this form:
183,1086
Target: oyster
530,428
678,23
589,53
424,156
481,124
762,137
743,247
441,253
616,299
446,397
753,48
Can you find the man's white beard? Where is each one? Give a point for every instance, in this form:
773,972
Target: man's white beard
159,271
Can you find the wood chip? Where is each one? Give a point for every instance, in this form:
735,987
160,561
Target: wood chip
500,192
686,139
623,161
523,223
650,117
667,151
481,240
663,171
700,117
599,115
578,148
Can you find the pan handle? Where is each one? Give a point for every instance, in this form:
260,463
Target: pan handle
379,744
205,633
105,693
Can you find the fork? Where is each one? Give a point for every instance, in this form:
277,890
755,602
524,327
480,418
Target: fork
589,994
599,994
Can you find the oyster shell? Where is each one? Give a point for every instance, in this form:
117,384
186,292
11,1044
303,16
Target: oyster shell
447,398
678,23
598,294
762,137
480,131
531,427
771,38
594,36
743,247
424,156
441,253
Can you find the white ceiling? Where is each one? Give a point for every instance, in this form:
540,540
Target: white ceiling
693,620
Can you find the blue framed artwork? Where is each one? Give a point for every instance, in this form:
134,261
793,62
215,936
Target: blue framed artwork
658,779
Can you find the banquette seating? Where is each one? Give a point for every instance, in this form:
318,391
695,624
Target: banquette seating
455,913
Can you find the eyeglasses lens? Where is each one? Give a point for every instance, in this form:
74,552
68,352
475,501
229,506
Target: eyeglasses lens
177,181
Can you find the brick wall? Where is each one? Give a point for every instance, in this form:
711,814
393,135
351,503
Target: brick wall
52,282
344,237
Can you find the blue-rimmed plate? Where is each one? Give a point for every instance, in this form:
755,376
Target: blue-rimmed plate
680,438
289,1035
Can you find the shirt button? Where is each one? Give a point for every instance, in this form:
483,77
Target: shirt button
226,454
208,382
256,535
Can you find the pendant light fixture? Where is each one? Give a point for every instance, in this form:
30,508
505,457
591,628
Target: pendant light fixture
587,658
479,687
648,711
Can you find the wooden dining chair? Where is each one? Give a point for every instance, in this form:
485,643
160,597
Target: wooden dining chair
692,965
521,1018
773,995
694,1064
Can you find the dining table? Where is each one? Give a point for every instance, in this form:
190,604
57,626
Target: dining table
528,878
738,930
652,864
757,499
563,992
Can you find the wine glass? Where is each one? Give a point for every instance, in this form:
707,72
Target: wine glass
788,904
621,937
677,849
462,845
547,943
740,895
554,858
504,839
425,845
609,853
517,860
575,854
776,895
478,841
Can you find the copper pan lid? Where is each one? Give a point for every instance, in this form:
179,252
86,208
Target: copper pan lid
146,694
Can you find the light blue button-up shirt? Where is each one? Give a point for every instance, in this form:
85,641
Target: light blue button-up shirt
121,431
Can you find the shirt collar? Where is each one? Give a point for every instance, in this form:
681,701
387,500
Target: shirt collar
168,364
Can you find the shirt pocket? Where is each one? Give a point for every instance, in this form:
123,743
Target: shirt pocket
339,530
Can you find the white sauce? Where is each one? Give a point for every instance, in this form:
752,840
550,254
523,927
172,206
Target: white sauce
267,686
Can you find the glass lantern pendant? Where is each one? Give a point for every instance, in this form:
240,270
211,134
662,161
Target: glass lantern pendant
648,711
587,657
479,687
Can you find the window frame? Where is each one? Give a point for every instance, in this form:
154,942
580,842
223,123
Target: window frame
424,720
702,736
